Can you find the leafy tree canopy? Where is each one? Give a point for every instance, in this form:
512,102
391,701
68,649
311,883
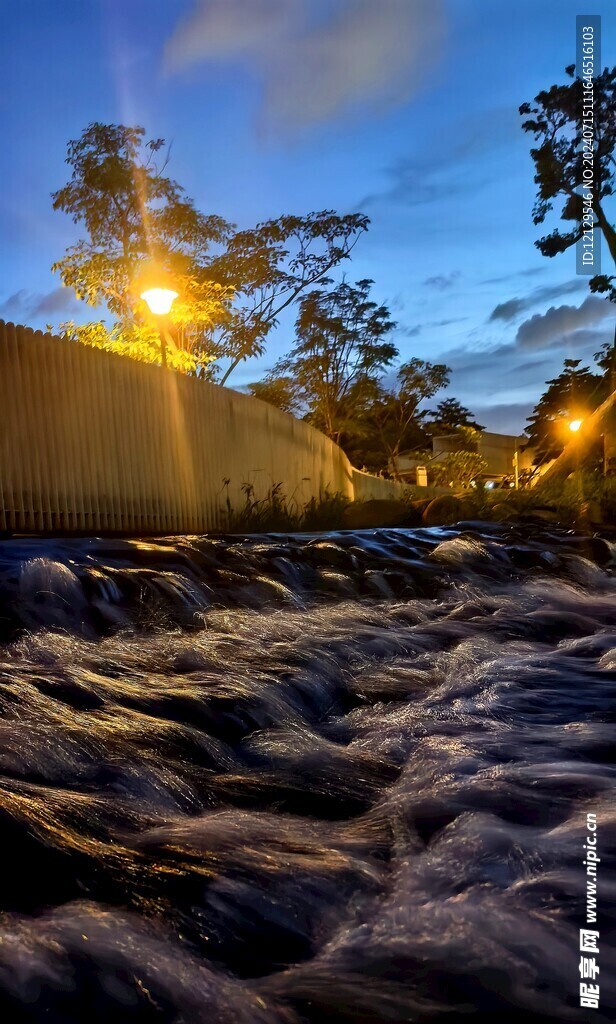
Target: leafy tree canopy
279,392
449,416
555,121
232,284
394,415
457,469
605,358
336,375
572,395
341,348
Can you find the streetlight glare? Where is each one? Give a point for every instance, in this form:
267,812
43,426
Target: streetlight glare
575,425
159,300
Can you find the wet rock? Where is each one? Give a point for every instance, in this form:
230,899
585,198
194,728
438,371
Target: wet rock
545,513
597,549
467,508
51,594
330,555
376,513
527,558
501,511
444,509
421,504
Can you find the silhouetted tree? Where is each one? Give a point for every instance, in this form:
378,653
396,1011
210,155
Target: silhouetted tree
555,121
575,393
277,391
394,415
335,376
449,416
605,358
340,351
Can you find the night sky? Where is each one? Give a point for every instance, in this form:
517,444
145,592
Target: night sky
403,109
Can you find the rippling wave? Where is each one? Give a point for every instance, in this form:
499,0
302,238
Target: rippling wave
305,779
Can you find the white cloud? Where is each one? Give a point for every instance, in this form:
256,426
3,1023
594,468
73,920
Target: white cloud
24,304
442,281
513,307
545,329
315,61
218,29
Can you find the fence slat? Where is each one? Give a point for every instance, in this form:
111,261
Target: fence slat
95,442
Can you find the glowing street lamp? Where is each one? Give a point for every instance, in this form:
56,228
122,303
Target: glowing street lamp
159,302
575,425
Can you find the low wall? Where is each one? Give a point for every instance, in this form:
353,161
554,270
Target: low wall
367,487
95,442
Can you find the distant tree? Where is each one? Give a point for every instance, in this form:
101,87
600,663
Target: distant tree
555,121
449,416
232,284
335,376
394,415
277,391
605,359
340,351
576,392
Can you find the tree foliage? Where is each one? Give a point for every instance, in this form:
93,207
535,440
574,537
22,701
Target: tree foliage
555,121
134,215
457,469
572,395
341,348
139,341
232,284
449,417
336,376
272,265
605,358
279,392
394,415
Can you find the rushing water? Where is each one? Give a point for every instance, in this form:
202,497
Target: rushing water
305,779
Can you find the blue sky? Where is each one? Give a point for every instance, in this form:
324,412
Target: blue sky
403,109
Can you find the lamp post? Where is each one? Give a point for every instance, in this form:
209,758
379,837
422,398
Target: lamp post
159,302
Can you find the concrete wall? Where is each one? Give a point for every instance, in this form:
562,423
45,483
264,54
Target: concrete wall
91,441
497,449
367,487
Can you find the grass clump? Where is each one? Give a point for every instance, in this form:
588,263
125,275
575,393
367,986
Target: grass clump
275,513
583,497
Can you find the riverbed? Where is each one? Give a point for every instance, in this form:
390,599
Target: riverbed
306,778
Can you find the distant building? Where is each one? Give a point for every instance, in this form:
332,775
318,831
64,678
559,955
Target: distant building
498,450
